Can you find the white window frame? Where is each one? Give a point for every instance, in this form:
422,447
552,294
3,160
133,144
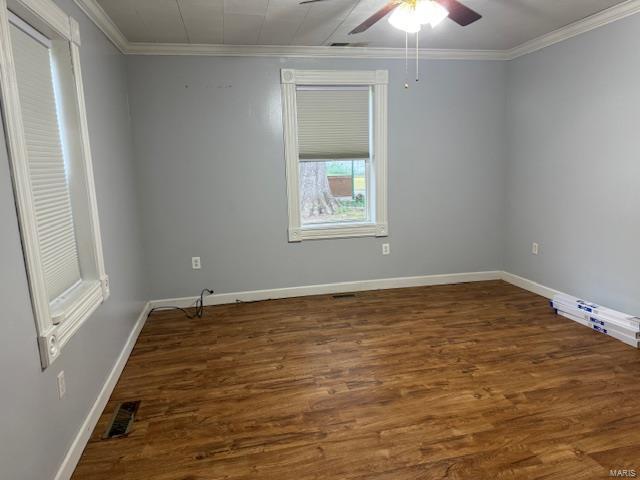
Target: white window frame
378,80
56,321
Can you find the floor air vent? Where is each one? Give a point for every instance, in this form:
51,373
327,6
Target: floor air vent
344,295
122,420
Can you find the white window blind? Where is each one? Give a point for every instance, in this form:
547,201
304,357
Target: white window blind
47,172
333,123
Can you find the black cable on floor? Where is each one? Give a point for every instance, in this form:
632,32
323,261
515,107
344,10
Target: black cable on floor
199,305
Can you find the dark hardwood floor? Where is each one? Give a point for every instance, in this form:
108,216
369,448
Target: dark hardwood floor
470,381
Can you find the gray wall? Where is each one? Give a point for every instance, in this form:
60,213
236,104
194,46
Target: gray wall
209,146
573,116
36,429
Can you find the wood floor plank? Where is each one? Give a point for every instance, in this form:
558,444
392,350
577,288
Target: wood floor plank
469,381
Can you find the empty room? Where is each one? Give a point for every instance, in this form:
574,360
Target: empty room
320,240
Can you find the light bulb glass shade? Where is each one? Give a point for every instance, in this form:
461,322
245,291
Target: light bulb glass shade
431,12
404,18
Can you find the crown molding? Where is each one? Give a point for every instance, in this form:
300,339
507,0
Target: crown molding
306,51
613,14
97,14
103,21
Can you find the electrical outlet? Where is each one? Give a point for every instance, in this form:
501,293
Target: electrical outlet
195,263
535,248
62,387
386,250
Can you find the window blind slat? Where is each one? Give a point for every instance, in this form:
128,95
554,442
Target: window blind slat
49,185
333,123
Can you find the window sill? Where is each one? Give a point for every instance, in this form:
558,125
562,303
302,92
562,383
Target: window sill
338,231
68,313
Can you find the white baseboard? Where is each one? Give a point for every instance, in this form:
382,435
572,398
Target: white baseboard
79,443
529,285
328,288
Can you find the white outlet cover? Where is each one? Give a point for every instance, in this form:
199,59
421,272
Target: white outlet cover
535,248
195,263
62,387
386,249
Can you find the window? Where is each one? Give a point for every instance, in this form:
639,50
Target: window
335,125
45,122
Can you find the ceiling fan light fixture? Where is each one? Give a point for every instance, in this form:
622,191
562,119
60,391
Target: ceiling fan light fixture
430,12
404,18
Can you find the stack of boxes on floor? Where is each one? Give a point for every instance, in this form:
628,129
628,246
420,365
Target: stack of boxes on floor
621,326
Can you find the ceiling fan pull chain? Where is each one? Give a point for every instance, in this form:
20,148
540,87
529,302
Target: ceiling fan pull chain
406,59
417,58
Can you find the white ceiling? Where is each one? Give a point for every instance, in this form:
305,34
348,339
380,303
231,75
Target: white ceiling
505,23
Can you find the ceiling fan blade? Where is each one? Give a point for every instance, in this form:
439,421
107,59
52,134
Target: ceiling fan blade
459,13
376,16
311,1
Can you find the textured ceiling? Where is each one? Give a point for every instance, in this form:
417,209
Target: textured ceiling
505,23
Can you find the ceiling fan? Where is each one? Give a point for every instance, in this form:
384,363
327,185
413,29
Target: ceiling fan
414,13
410,15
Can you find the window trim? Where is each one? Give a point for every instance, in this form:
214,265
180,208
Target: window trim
56,321
378,80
